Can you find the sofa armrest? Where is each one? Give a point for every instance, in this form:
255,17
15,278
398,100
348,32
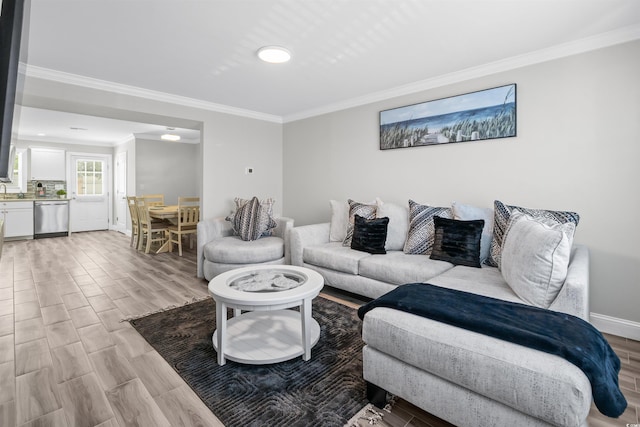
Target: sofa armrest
573,298
208,230
283,230
307,235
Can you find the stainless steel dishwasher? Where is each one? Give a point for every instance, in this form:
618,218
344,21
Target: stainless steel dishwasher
50,218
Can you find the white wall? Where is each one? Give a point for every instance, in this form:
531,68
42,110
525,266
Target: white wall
128,146
233,143
577,149
229,143
167,168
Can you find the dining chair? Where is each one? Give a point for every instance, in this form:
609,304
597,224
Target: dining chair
154,199
135,222
188,201
150,232
186,224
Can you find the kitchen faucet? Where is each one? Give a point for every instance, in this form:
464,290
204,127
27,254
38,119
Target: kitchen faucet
5,190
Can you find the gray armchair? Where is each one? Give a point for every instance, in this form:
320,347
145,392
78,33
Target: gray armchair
219,250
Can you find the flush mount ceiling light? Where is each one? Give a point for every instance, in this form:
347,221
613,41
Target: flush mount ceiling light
274,54
170,137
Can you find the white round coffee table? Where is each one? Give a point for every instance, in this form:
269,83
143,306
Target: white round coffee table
266,332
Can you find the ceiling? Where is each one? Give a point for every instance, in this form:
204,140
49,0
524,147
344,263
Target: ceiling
343,50
36,124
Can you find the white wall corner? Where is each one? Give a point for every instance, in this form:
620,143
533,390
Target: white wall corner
612,325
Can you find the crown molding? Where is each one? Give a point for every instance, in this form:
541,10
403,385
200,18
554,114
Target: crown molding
599,41
89,82
54,140
158,138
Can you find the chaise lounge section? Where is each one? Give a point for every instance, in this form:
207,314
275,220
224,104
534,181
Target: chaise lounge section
464,377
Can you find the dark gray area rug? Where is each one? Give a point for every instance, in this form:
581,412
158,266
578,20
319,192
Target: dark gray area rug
324,391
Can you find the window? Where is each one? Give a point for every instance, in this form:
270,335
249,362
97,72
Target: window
89,178
19,181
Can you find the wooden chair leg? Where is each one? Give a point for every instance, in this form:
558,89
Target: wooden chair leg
141,235
149,239
135,238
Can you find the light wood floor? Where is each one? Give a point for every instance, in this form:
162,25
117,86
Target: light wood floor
66,359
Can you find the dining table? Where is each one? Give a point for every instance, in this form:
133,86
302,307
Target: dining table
168,212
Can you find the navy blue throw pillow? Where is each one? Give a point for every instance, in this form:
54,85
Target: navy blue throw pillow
369,235
457,242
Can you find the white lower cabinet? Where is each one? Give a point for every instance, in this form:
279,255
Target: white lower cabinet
18,219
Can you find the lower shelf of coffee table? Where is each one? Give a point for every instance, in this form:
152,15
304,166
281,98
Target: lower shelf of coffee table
263,337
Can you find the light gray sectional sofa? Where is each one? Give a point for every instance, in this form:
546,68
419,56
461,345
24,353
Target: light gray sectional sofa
461,376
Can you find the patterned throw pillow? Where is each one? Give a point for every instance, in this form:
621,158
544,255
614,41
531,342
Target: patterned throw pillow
252,219
502,214
265,203
421,227
357,208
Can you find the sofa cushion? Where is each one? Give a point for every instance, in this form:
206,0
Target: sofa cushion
421,227
487,281
457,242
369,235
398,224
334,256
535,257
367,211
502,213
469,212
234,250
536,383
399,268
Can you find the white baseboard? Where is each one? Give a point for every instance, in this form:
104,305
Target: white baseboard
615,326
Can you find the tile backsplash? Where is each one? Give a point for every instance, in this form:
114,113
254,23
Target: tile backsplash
49,187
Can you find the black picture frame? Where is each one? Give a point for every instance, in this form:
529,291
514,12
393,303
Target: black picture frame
474,116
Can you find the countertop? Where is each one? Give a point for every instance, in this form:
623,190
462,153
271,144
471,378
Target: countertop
31,199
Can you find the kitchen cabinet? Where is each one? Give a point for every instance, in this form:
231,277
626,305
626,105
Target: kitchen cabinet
18,219
48,164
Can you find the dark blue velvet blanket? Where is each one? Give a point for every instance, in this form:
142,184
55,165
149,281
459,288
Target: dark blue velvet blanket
556,333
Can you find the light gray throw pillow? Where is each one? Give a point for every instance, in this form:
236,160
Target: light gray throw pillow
535,257
398,224
339,220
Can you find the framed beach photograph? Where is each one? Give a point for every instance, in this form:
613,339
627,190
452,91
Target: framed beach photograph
475,116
